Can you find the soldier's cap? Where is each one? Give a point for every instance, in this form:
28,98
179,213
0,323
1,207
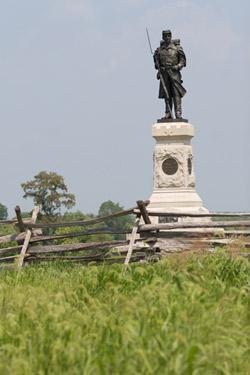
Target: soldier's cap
166,32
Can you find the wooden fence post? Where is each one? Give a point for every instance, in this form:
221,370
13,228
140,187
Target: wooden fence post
142,207
131,243
27,240
20,222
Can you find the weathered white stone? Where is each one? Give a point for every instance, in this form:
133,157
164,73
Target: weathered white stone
176,191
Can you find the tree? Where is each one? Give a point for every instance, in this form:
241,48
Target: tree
3,212
49,191
117,223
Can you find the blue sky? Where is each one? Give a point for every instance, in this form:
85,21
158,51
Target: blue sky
79,96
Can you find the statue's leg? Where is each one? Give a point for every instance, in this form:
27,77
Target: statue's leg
168,103
177,104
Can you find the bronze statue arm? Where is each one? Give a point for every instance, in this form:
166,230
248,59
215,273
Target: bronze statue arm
182,58
156,59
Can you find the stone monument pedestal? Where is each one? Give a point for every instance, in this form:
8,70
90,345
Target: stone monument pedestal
174,176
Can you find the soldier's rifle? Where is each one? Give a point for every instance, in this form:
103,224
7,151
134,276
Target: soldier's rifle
157,65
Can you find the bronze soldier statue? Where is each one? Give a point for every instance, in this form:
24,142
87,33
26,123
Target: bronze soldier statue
169,59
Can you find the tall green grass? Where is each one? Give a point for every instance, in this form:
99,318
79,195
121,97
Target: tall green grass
184,315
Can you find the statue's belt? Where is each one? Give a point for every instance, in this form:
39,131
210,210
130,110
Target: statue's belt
165,69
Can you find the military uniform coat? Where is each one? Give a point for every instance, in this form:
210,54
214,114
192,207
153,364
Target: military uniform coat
170,59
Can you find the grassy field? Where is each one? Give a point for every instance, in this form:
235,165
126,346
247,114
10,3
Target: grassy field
184,315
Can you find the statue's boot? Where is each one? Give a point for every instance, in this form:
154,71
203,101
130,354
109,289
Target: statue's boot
168,115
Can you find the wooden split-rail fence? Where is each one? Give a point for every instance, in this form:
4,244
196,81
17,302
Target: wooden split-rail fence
146,241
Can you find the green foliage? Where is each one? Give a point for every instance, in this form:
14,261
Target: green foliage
3,212
49,191
119,223
7,229
79,216
229,218
4,231
26,214
184,315
105,209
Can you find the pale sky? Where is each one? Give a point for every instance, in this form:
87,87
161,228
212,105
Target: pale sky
79,96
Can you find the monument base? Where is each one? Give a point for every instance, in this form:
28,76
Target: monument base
174,177
173,200
164,119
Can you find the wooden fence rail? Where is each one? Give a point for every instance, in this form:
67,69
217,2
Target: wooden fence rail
13,221
80,223
182,225
4,222
146,240
191,214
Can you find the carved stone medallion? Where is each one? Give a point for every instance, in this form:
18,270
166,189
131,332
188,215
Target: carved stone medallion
170,166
